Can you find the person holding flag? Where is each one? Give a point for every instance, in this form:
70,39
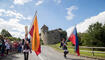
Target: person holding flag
65,48
26,47
74,39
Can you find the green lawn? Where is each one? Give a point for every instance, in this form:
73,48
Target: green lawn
72,51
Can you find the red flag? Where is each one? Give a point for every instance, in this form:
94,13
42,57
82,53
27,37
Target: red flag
35,38
74,39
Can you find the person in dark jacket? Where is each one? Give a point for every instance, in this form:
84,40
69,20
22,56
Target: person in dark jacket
2,47
61,43
19,47
26,49
65,50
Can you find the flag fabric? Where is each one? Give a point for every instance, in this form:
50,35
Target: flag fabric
35,38
74,39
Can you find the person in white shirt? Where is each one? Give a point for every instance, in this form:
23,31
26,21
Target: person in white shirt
7,46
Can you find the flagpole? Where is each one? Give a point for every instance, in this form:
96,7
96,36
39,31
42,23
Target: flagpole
36,13
33,20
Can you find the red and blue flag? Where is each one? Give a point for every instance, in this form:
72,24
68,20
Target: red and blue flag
74,39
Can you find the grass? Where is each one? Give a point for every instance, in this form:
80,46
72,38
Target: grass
87,54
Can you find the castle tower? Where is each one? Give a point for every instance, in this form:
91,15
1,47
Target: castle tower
44,31
44,28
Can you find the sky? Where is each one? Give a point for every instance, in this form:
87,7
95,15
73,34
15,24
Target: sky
65,14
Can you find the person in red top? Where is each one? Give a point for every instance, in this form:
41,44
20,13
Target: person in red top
15,46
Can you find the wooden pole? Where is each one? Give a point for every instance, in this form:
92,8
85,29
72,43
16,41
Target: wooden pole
26,32
92,51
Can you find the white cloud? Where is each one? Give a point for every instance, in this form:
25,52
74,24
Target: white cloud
69,31
83,26
27,18
58,1
39,2
0,14
2,10
17,34
12,24
12,6
21,2
10,13
70,15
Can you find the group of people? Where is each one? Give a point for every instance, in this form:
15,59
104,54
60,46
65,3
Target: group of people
63,46
4,46
7,46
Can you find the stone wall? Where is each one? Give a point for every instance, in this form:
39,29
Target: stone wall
50,37
53,37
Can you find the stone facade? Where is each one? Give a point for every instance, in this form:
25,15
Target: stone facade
51,37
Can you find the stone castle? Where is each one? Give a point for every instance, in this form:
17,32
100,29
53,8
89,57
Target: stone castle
53,36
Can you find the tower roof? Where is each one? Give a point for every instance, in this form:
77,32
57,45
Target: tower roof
44,26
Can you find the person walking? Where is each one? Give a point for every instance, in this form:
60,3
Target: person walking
65,50
26,50
65,47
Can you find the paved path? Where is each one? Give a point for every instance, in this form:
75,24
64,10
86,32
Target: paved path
47,53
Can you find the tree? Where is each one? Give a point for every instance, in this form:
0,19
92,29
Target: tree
95,32
5,33
95,36
14,39
63,34
79,38
103,35
86,39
